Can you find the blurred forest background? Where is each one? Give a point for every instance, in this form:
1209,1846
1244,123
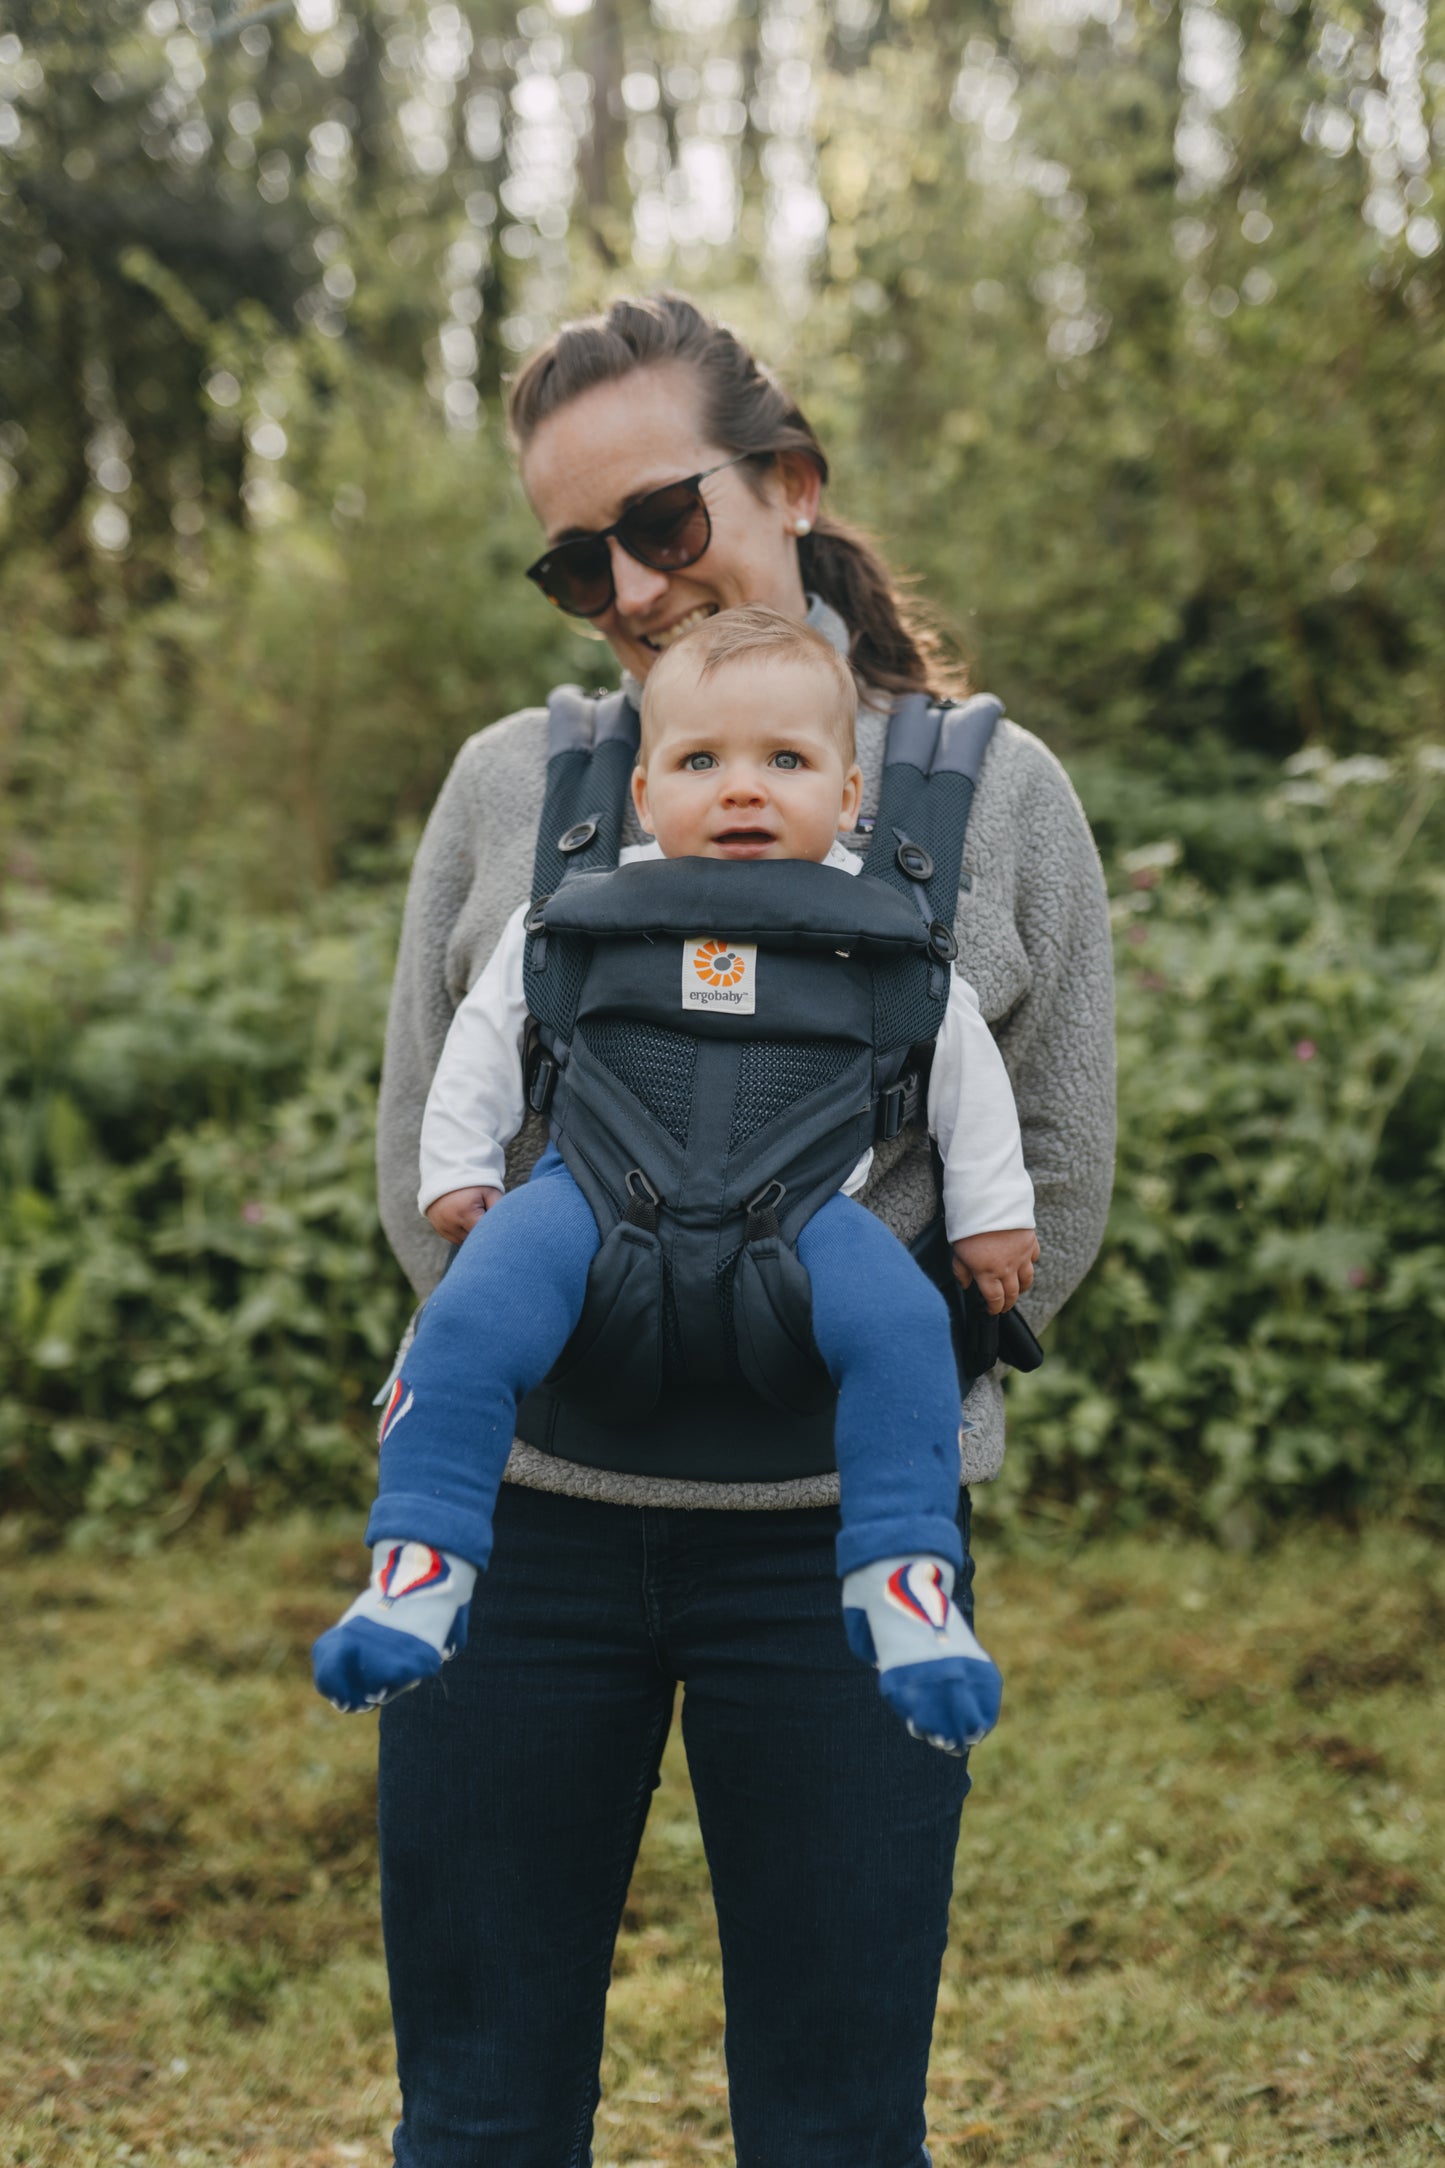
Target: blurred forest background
1122,321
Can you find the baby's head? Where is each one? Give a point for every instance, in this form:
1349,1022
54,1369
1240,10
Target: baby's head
747,741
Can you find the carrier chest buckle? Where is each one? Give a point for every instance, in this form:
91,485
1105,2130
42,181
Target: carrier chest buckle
897,1106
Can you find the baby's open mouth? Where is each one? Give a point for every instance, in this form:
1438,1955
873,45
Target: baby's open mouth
744,839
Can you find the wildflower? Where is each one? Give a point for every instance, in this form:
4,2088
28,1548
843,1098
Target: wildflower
1153,858
1305,1050
1308,762
1302,794
1357,1276
1362,768
253,1212
1431,758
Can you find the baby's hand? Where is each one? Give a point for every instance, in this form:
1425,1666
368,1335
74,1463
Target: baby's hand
1002,1264
456,1214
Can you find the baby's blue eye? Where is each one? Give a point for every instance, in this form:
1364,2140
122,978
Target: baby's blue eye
787,760
697,762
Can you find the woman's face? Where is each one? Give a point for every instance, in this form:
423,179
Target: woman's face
586,463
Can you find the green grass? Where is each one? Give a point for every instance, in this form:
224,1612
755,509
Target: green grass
1198,1917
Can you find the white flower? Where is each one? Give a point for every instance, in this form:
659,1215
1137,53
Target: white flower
1152,855
1362,768
1303,794
1431,758
1309,762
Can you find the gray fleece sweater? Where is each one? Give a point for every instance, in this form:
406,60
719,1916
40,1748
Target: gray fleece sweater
1033,939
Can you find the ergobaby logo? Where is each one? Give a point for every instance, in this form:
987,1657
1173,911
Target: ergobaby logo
719,974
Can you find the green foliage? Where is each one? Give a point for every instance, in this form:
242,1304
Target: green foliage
1158,433
198,1298
201,1304
1265,1327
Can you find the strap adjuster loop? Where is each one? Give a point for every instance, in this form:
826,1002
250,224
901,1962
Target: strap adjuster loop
914,860
762,1212
645,1201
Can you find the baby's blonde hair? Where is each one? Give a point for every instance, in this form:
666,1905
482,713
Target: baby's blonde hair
751,630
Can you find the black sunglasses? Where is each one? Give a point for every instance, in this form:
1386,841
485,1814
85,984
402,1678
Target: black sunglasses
666,530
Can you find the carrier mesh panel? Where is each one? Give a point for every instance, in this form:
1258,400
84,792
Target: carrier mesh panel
774,1073
902,1012
553,993
656,1066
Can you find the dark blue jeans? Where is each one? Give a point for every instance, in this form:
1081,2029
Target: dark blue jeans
513,1790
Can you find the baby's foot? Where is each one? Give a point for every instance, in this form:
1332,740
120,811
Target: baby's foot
900,1617
400,1631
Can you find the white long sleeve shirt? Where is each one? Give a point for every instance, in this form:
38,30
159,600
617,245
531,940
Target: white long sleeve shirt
477,1104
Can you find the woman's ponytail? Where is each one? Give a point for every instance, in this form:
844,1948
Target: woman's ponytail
893,648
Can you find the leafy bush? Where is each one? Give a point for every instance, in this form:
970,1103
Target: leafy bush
1266,1324
200,1302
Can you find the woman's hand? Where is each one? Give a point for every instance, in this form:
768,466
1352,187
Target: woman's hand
456,1214
1002,1263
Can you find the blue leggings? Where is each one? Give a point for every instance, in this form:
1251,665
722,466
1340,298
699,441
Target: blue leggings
510,1302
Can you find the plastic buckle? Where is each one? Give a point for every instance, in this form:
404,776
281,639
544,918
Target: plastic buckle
543,1084
896,1106
941,945
577,837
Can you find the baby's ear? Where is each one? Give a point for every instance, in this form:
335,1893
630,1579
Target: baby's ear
639,798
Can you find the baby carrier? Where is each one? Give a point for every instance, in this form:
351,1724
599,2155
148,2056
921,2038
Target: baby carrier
716,1044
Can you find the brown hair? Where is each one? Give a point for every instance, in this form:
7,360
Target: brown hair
753,630
745,411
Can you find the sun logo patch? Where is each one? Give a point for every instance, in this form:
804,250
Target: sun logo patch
716,964
718,974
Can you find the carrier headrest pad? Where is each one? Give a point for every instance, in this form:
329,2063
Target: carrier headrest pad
788,903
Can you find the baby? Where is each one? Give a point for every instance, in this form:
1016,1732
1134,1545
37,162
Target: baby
746,753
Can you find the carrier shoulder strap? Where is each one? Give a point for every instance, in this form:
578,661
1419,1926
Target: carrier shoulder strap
935,751
931,765
591,751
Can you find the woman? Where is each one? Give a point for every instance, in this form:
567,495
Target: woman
513,1789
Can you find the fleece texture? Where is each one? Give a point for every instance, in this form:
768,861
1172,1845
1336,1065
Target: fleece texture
1033,939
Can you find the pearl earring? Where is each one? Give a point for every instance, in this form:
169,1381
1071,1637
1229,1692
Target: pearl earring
802,526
